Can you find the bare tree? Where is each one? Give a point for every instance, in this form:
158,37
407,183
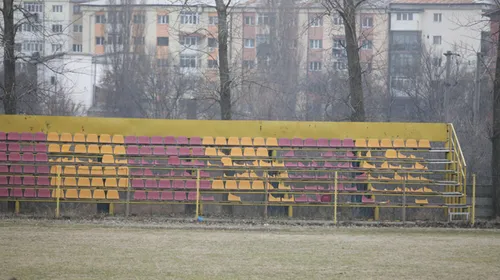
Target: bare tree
495,136
224,74
9,59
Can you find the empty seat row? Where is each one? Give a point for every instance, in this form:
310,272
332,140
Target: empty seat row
26,169
396,143
25,180
87,149
24,136
16,147
86,170
170,196
28,193
82,138
109,182
169,184
86,194
23,157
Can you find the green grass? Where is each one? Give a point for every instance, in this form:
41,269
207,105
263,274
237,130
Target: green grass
70,250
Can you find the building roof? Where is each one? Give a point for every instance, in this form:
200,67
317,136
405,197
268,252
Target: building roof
209,3
441,2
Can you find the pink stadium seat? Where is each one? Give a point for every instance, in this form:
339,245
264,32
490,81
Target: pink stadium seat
167,196
143,140
130,140
179,196
139,195
350,189
151,184
335,143
340,187
26,136
164,184
3,156
4,192
191,184
41,157
174,160
195,141
40,137
14,147
28,157
316,198
289,154
13,136
136,172
205,185
3,136
348,143
43,181
365,199
198,163
302,198
323,142
145,151
40,148
148,172
27,148
15,181
4,169
14,157
311,188
170,140
197,151
138,183
133,150
182,140
3,181
291,164
16,192
156,140
158,151
284,142
178,184
3,147
326,198
184,151
29,181
42,169
171,151
44,193
208,198
29,169
30,193
297,142
309,142
192,196
16,169
154,195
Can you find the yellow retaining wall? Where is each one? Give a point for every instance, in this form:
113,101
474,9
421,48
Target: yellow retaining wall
150,127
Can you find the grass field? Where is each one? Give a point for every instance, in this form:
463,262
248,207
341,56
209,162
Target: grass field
70,250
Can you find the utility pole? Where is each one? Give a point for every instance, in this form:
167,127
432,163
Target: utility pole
448,55
477,96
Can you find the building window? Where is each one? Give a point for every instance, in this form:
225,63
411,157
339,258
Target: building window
114,39
249,20
139,19
317,21
315,66
339,65
33,7
338,21
56,47
99,41
437,17
100,19
52,80
57,8
77,9
212,64
249,43
77,48
189,40
77,28
262,39
213,20
162,41
436,40
27,27
265,19
57,28
367,22
163,19
316,44
188,61
339,53
190,18
213,43
161,62
338,44
404,16
18,47
248,64
367,45
139,40
32,46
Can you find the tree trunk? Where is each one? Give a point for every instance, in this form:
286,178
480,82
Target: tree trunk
225,81
353,63
9,59
495,139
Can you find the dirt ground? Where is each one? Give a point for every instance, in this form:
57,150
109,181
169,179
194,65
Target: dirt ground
49,249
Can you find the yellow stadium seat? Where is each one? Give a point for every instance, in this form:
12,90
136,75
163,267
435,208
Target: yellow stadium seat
92,138
123,171
221,141
246,141
217,185
70,169
419,166
244,185
241,164
93,149
54,181
257,185
210,152
70,182
253,174
366,165
385,165
397,177
83,182
234,198
263,163
242,175
109,170
270,142
56,193
72,193
269,186
227,161
65,148
106,149
259,141
121,161
419,190
96,170
422,178
254,163
123,183
287,198
80,149
424,144
426,189
231,185
112,194
53,137
97,182
107,159
79,138
360,143
368,154
236,152
283,174
249,152
400,155
54,148
119,150
262,152
372,178
411,143
118,139
233,141
66,137
278,164
421,201
83,170
398,143
274,199
373,143
281,186
99,194
105,138
386,143
85,194
398,189
221,153
207,140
